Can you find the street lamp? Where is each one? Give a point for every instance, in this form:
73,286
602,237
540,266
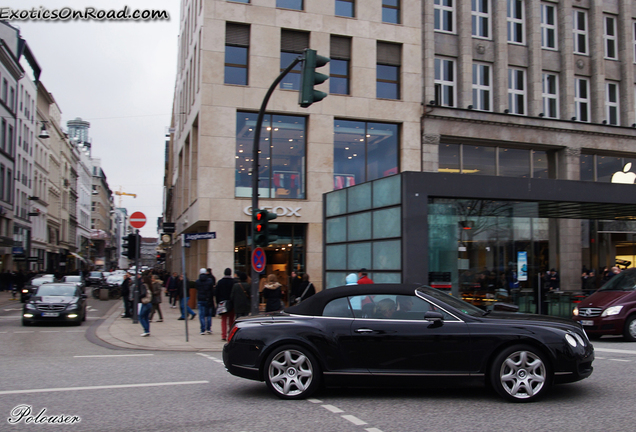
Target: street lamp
43,132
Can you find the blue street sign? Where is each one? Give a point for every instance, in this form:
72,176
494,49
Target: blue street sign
200,236
258,260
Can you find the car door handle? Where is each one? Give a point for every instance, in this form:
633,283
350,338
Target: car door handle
364,330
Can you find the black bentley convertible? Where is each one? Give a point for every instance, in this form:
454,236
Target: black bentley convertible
401,335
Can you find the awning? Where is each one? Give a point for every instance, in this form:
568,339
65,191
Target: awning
79,257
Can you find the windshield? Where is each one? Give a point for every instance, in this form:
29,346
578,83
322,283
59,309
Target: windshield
458,304
40,281
115,279
625,281
55,290
96,274
72,278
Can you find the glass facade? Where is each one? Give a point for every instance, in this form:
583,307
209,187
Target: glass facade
607,169
282,156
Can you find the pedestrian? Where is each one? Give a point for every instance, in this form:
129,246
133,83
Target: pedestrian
157,287
172,284
351,279
211,299
306,289
363,277
223,291
145,299
590,283
241,296
204,294
183,302
553,280
296,281
125,295
272,293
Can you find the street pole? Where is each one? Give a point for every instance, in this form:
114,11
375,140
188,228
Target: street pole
257,138
185,297
137,280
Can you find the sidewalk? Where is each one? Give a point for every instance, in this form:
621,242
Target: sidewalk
168,335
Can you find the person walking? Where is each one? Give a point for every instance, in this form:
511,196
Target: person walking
172,284
307,289
272,293
183,302
125,295
145,298
363,277
241,296
204,294
157,287
223,291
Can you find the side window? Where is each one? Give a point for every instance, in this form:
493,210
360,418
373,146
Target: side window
399,307
338,308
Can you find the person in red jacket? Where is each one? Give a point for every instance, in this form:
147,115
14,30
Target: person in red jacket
363,278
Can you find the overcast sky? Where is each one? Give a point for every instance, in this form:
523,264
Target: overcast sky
119,76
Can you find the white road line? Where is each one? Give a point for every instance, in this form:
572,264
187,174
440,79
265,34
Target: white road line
353,419
616,351
315,401
373,430
4,332
120,386
74,331
49,331
24,331
599,358
332,408
114,355
621,360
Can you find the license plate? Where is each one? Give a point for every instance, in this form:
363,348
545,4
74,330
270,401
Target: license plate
587,322
50,314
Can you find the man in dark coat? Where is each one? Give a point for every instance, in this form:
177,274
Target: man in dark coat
204,294
125,294
223,290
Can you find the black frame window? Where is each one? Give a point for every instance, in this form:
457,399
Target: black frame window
391,11
345,8
237,41
388,70
292,44
339,66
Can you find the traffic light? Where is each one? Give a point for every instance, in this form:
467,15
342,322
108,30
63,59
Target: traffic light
309,78
131,253
262,228
125,247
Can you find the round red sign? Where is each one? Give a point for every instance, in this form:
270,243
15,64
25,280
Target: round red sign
137,220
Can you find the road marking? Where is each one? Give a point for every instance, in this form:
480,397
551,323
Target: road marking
114,355
24,331
332,408
74,331
353,419
315,401
621,360
49,331
616,351
4,332
373,430
105,387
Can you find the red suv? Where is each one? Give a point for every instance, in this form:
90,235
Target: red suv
612,309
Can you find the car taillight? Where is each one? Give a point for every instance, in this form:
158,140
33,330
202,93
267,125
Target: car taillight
232,332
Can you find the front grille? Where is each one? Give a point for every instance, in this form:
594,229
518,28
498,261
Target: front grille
589,312
51,307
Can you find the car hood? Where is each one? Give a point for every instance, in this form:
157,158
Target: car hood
604,299
542,320
54,299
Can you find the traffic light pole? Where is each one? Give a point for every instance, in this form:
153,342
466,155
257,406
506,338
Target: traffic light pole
257,138
137,281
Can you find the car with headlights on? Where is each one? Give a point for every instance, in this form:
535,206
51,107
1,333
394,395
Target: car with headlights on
611,310
56,301
403,335
33,285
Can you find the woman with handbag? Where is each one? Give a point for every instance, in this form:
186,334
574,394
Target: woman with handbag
145,300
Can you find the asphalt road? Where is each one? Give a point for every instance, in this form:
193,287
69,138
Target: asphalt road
62,370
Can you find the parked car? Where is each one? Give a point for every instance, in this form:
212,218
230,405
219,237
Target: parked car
611,310
403,335
77,280
55,301
95,278
33,285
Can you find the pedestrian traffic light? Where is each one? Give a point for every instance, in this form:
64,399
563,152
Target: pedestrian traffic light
309,78
262,228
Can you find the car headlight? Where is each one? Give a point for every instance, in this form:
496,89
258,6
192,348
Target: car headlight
71,306
614,310
579,339
25,291
575,312
570,339
30,306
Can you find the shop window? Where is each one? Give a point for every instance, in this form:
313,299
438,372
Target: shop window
364,151
478,160
281,159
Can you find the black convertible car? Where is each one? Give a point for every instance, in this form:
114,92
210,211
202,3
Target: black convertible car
400,335
57,301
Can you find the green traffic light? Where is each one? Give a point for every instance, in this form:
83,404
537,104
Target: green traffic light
309,78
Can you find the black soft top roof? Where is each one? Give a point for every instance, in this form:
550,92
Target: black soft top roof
315,304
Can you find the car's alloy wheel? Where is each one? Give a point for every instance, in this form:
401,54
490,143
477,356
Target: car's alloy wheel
629,333
292,372
520,374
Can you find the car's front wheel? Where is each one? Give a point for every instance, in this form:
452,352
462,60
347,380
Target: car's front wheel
520,373
629,332
292,372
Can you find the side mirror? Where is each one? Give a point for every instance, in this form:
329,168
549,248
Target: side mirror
435,317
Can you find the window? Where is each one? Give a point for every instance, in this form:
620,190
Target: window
345,8
579,28
290,4
481,18
516,91
235,1
8,195
548,26
550,86
582,99
3,135
444,16
5,89
281,159
363,151
10,140
2,182
388,70
516,21
444,82
237,42
292,44
482,87
611,103
634,40
340,54
391,11
610,38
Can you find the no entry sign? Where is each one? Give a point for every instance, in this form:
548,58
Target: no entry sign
137,220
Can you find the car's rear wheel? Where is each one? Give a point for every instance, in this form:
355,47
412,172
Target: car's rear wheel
292,372
629,332
520,373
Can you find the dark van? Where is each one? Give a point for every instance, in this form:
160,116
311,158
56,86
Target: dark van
612,309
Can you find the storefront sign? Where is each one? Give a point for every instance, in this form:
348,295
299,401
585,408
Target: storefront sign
522,266
279,210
